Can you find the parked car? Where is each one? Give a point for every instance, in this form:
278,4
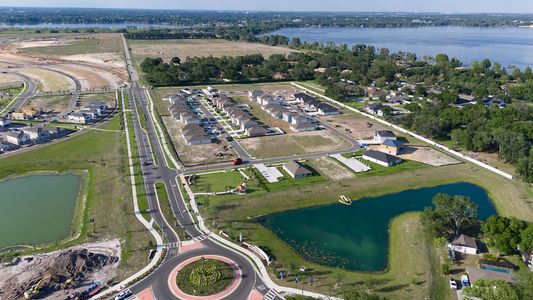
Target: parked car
465,281
453,284
124,295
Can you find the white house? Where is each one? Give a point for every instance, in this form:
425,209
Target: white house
381,158
464,244
17,138
382,135
78,118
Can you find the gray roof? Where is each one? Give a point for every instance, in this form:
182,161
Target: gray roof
384,157
296,168
392,143
385,133
465,240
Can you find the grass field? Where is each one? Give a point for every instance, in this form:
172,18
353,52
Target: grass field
81,46
167,49
109,203
511,198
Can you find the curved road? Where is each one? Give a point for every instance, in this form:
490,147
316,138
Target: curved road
149,148
29,90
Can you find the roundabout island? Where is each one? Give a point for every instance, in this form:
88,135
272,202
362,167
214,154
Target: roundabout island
205,277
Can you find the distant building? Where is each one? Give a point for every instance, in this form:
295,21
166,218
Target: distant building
326,109
254,94
256,131
375,109
296,170
381,158
464,244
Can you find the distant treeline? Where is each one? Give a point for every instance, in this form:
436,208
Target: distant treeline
275,19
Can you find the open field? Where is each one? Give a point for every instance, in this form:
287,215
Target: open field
511,198
8,78
48,80
293,144
52,104
331,168
167,49
73,45
109,205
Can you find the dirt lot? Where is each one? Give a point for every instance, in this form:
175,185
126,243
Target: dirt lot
49,80
196,154
72,44
428,156
8,78
331,168
357,124
49,104
84,264
91,77
293,144
167,49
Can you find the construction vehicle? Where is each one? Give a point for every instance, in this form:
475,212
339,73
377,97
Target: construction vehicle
36,288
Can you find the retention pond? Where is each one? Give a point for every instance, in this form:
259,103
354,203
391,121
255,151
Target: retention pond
37,209
356,237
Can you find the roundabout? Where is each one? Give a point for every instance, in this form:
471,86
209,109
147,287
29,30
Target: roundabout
204,278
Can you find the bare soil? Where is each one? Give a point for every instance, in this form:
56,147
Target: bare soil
196,154
331,168
358,126
82,264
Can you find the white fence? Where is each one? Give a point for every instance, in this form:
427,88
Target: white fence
426,140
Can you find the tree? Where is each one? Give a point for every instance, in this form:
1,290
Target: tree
451,215
442,59
524,284
526,239
503,233
492,290
175,60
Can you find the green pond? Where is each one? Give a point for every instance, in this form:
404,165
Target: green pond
37,209
356,237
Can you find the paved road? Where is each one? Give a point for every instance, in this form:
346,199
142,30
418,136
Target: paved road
30,89
148,144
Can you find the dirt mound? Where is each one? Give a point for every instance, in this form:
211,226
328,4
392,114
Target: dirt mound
61,273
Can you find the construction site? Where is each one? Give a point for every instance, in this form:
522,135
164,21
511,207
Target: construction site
73,273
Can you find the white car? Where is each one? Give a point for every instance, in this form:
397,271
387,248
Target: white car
124,295
453,284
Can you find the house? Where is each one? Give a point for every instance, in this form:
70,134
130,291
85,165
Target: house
474,274
17,138
464,244
274,110
391,146
374,93
375,109
266,99
37,133
301,127
99,105
199,139
254,94
381,158
326,109
30,113
296,170
297,118
92,113
397,98
256,131
78,118
464,100
192,129
305,99
4,122
189,118
247,123
168,97
5,147
494,102
17,116
381,135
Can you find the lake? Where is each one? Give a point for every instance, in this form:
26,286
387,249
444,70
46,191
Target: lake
37,209
507,46
356,237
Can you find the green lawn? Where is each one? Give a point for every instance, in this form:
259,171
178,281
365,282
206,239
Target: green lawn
162,196
379,170
218,182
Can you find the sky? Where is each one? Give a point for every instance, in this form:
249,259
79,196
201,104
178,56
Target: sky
445,6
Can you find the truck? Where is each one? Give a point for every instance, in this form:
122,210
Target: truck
237,161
